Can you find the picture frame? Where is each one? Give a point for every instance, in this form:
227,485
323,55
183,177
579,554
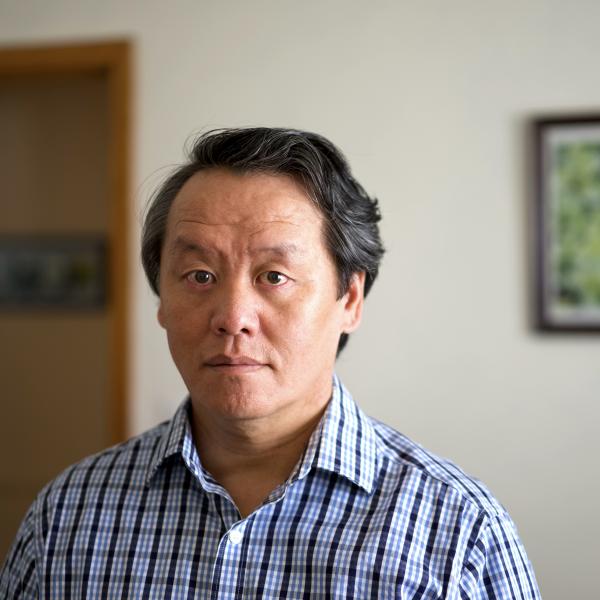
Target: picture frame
567,220
53,272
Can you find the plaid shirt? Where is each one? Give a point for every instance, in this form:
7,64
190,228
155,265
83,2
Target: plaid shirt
366,513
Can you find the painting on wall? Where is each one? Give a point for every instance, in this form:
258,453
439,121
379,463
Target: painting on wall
65,272
568,223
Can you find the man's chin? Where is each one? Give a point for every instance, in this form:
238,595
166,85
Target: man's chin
236,398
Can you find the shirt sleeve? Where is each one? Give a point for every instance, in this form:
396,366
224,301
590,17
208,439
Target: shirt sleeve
18,578
497,566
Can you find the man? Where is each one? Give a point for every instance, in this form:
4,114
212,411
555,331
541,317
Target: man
269,481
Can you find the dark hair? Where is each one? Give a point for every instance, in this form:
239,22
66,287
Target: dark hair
350,215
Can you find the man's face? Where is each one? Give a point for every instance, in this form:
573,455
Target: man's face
248,296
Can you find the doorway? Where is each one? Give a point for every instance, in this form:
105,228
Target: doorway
64,114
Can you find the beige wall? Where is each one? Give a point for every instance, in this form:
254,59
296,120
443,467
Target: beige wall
428,100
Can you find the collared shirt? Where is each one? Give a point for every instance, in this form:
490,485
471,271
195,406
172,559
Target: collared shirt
366,513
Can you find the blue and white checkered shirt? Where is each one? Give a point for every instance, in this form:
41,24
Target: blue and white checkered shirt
365,514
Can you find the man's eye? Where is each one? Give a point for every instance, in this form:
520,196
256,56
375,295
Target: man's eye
273,278
201,277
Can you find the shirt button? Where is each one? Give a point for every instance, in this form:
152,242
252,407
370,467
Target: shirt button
235,536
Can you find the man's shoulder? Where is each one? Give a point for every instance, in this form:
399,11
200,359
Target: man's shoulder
406,458
128,460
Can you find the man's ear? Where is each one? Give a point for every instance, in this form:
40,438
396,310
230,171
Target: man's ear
353,302
160,315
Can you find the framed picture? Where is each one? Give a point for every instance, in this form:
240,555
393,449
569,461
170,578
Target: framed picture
52,272
568,223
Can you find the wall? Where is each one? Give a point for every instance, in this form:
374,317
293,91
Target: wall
429,101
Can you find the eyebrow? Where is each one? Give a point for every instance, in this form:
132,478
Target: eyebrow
182,245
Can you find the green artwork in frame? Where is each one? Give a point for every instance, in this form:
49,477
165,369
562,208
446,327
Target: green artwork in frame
568,223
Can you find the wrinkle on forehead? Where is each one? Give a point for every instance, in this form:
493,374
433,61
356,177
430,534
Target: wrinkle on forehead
183,245
199,222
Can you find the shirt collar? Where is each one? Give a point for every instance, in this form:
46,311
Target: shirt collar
344,443
176,440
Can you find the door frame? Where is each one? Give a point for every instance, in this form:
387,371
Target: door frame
111,59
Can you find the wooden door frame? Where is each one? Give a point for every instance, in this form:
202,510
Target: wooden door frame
113,60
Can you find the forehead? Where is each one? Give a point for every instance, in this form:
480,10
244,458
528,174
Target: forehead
219,200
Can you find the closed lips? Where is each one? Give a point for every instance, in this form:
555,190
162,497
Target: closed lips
231,361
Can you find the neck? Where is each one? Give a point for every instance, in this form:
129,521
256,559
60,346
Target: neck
251,457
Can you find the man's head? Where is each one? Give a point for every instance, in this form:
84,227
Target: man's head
350,216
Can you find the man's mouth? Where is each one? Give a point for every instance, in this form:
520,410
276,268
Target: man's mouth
234,364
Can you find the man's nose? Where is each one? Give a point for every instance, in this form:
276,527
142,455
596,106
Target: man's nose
236,310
